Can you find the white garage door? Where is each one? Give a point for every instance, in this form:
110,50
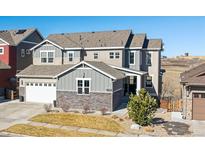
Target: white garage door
40,92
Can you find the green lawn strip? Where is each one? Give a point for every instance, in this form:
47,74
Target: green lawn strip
85,121
40,131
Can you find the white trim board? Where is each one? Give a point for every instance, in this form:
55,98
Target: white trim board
44,42
4,41
128,70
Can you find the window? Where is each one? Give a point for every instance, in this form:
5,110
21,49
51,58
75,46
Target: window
47,57
148,81
70,56
95,55
196,95
28,52
202,95
40,84
132,57
148,59
111,55
22,52
117,55
83,86
1,50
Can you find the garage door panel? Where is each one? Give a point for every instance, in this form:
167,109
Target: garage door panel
40,94
198,108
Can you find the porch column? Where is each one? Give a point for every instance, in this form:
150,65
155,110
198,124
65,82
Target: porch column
138,86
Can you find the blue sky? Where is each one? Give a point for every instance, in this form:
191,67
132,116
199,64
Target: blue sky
180,34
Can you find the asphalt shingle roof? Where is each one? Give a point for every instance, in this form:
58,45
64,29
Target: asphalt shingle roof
154,43
14,37
107,69
43,70
117,38
138,40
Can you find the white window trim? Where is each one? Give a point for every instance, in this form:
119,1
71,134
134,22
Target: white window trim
146,81
2,50
134,58
83,88
23,53
47,56
114,54
72,52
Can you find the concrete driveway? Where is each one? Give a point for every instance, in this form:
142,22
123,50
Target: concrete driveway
17,112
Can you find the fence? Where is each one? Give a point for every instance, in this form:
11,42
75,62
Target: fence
171,106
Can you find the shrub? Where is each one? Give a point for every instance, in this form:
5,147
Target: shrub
48,107
141,107
104,110
86,109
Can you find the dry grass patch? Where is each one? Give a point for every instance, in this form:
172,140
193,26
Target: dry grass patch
86,121
40,131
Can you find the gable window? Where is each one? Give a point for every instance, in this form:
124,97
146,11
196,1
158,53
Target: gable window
111,55
22,52
132,58
70,56
1,50
95,55
148,59
47,56
148,81
117,55
83,86
28,52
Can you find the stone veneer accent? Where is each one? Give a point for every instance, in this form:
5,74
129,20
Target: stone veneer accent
96,101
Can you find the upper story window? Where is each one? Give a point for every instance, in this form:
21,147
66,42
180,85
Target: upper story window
23,52
70,56
148,81
115,55
1,50
148,59
47,56
132,58
28,52
95,55
83,86
111,55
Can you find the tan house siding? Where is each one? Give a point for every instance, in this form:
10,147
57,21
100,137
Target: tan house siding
104,55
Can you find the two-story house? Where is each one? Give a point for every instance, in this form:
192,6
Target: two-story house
15,54
92,68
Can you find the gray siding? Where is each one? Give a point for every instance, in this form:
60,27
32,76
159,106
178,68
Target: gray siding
23,62
99,82
76,58
118,84
47,47
135,66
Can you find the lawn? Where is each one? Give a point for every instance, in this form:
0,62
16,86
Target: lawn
86,121
40,131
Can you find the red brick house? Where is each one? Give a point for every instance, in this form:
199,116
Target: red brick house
15,54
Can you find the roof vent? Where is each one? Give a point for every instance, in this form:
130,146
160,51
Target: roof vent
93,32
62,33
99,40
114,30
80,37
21,31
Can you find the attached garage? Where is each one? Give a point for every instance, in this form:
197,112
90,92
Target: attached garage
198,109
40,92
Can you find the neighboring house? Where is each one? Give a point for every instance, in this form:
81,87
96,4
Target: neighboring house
94,68
14,52
193,93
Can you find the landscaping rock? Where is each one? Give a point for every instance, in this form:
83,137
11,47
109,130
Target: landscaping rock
135,126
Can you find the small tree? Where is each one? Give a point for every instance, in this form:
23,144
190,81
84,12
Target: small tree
141,107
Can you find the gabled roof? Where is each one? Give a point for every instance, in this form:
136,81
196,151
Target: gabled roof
4,66
14,37
43,70
153,44
138,41
194,75
98,66
116,38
